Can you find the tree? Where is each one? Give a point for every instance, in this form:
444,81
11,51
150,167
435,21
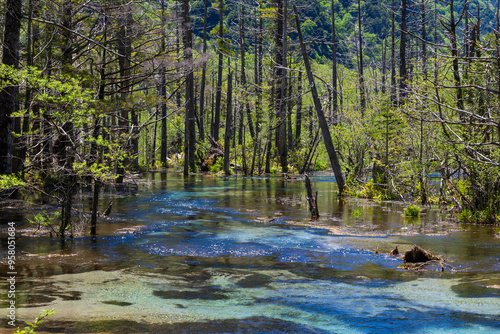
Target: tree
321,116
190,135
403,75
280,83
8,94
229,123
218,92
362,89
334,67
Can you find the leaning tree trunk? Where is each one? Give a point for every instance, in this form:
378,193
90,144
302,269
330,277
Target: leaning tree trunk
327,138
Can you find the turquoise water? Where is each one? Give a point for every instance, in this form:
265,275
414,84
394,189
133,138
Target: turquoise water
240,255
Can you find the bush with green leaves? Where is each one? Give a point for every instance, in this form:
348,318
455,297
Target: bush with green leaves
412,211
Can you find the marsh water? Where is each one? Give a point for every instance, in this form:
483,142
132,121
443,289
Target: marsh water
205,254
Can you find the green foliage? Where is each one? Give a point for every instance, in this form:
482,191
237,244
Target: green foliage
51,221
217,166
412,211
320,165
11,181
32,326
357,213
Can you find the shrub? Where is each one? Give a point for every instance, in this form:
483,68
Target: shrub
412,211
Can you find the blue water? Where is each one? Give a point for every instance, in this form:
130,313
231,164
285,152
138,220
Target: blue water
215,255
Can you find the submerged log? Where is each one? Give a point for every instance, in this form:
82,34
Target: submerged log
417,254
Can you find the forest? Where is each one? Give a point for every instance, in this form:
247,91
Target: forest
400,98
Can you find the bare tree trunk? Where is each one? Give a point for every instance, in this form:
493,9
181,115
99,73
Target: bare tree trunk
321,116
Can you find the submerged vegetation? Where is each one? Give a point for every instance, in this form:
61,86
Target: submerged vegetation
409,91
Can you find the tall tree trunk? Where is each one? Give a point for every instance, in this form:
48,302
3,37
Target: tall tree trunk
66,148
8,95
452,26
258,73
125,50
424,41
280,84
229,122
163,90
497,42
190,131
321,116
298,115
362,90
393,54
334,68
243,72
384,64
218,91
403,75
289,126
203,76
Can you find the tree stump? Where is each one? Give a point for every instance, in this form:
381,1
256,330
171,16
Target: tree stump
312,199
417,254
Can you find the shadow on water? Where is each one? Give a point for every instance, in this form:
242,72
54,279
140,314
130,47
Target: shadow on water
205,254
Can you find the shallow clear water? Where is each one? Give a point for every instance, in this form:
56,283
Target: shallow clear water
206,254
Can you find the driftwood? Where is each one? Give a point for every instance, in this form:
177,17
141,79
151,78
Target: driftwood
312,198
417,255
